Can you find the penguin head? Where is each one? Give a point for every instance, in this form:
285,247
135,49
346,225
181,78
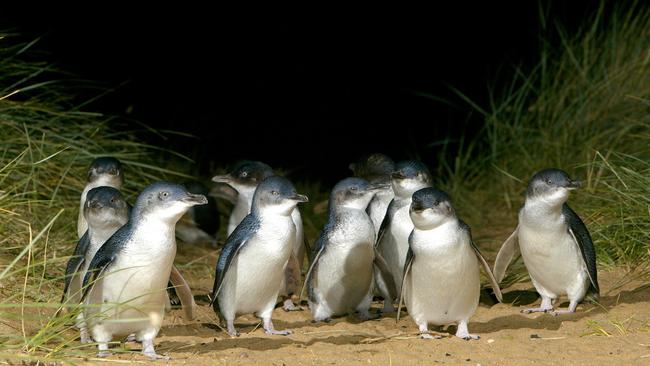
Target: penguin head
105,207
374,168
106,171
551,185
408,177
353,193
276,195
246,175
430,208
166,202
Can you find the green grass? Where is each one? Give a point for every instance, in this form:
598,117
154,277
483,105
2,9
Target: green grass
46,147
584,108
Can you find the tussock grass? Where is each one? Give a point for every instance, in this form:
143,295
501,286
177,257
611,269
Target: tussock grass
584,108
47,143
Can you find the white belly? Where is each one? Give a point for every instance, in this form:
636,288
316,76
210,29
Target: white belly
253,281
553,260
344,276
443,286
394,245
132,293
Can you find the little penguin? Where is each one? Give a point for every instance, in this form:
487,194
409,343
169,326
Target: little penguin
105,211
554,243
376,169
244,179
251,267
103,171
125,285
441,282
340,279
392,240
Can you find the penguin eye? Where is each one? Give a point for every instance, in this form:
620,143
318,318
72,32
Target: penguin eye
437,203
164,195
113,200
112,171
354,188
275,193
243,174
548,181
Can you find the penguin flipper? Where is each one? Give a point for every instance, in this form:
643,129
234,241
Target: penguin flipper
381,267
75,262
235,242
319,247
104,257
385,223
486,267
508,250
184,293
407,269
581,237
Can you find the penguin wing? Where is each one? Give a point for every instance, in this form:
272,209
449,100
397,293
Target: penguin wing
75,262
105,256
508,250
486,267
235,242
319,248
385,223
581,237
380,266
184,293
407,268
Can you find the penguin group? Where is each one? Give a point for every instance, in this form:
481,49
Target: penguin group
389,234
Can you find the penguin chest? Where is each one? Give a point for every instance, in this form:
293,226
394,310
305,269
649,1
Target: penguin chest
395,245
254,279
344,274
443,285
552,258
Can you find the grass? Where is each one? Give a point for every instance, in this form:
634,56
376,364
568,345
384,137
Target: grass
47,145
584,108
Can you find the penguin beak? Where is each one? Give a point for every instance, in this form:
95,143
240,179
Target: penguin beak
417,206
299,198
398,175
222,179
352,166
195,199
574,184
378,187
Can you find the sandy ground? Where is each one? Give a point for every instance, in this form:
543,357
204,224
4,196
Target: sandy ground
614,331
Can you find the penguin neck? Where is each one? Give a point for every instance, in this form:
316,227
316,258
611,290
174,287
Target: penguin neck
98,234
245,198
538,207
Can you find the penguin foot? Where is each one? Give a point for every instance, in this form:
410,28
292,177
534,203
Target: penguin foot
388,307
130,338
364,315
290,306
84,337
278,332
471,337
103,354
233,333
154,356
560,312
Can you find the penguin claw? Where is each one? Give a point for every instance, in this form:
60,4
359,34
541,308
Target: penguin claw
278,332
290,306
429,336
155,356
103,354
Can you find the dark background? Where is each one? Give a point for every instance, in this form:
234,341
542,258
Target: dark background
302,89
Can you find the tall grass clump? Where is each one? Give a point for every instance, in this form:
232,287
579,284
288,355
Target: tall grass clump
46,145
584,108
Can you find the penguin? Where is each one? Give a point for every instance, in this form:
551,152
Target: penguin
554,242
340,279
250,269
105,211
376,169
441,281
244,178
392,239
125,285
201,223
103,171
